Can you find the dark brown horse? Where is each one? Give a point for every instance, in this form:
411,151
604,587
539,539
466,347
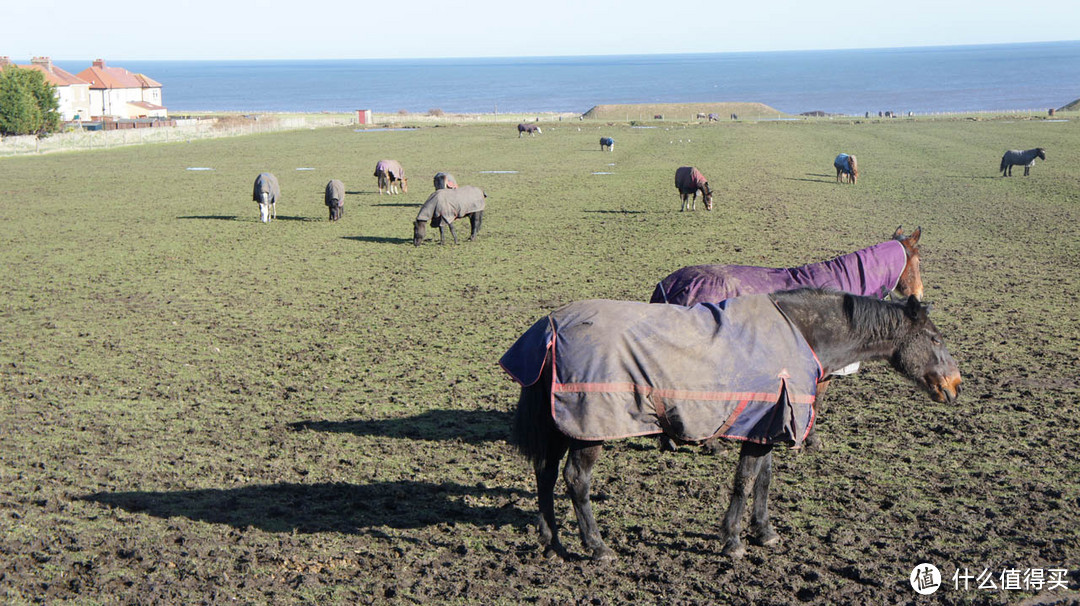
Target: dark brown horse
839,328
891,267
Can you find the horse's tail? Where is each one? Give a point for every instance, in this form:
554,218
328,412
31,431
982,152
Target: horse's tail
1004,162
533,425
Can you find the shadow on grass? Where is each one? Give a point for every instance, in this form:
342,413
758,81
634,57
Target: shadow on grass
251,219
379,239
825,179
361,193
212,217
328,507
617,212
465,425
412,204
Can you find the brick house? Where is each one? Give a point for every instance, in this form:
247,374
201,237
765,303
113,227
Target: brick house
115,92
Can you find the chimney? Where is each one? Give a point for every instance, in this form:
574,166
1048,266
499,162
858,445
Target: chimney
99,63
44,62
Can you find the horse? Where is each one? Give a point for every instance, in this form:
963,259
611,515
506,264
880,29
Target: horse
532,129
1025,158
266,192
607,142
715,117
846,166
445,206
893,267
688,180
334,198
599,370
445,181
391,177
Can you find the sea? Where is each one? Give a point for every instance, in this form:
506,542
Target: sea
994,77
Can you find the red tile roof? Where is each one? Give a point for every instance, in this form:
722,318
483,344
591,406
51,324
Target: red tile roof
101,77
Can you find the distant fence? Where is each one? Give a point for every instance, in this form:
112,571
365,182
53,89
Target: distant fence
186,129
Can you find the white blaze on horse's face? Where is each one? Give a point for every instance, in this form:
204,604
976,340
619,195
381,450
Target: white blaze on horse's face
264,207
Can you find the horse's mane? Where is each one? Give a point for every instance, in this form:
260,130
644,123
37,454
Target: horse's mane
871,317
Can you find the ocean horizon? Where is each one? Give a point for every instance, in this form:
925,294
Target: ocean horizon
991,77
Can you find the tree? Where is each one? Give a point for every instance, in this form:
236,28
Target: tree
28,103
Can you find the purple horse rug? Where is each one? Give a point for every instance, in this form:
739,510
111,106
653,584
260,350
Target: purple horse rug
391,168
870,272
736,369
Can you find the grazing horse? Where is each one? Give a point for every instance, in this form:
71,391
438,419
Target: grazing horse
391,177
688,180
445,206
266,192
607,142
744,369
445,181
715,117
335,199
891,267
1024,158
846,167
532,129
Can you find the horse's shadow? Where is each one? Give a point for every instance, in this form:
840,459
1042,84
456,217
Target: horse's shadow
212,217
617,212
466,425
415,205
379,239
826,178
361,193
328,507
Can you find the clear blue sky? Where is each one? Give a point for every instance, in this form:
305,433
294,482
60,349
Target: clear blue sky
338,29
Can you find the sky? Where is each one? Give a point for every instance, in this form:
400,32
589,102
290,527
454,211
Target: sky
362,29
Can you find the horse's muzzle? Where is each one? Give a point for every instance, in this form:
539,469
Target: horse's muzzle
944,389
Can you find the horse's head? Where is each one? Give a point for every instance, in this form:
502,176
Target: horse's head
922,356
910,282
1040,152
404,185
854,169
706,194
538,131
264,206
419,231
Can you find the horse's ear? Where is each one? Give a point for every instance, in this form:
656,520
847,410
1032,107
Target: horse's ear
914,237
914,309
899,233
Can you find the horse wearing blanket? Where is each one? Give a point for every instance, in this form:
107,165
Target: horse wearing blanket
607,143
444,206
391,177
532,129
689,180
334,198
744,369
846,168
891,267
1024,158
444,181
266,192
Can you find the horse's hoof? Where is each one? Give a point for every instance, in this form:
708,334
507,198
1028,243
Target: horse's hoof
734,551
766,538
604,554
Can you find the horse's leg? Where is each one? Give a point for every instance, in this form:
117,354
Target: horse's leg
751,457
685,198
578,476
453,234
547,474
475,219
761,530
813,442
442,234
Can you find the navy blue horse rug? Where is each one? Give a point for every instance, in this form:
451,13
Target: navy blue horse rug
736,369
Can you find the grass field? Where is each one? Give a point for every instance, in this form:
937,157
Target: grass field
200,408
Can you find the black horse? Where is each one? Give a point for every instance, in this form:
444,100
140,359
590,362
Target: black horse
839,328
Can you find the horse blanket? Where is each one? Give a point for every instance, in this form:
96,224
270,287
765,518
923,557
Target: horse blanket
445,181
446,205
843,163
391,168
528,128
689,179
737,369
606,142
870,272
335,193
266,183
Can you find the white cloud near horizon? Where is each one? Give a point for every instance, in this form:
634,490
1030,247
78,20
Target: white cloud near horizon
335,29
